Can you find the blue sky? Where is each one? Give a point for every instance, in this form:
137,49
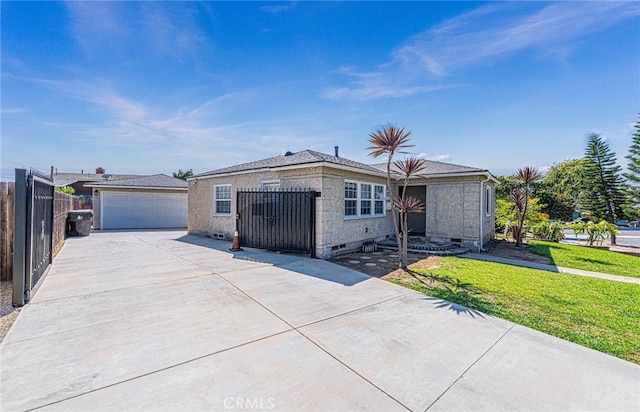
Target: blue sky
153,87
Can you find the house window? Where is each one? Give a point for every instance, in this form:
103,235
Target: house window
378,196
350,199
488,201
363,199
270,185
222,200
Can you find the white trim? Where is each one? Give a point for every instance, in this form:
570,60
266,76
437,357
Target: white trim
294,167
488,196
215,200
266,182
382,173
359,200
137,187
481,238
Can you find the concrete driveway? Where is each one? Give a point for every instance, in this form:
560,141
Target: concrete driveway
167,321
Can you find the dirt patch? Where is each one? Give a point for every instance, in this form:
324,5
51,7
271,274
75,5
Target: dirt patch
8,313
384,263
509,250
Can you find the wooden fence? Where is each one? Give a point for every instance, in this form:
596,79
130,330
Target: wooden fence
61,205
6,230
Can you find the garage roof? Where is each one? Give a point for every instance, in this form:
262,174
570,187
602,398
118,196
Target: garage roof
159,181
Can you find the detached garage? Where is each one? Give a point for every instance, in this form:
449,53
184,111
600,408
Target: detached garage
146,202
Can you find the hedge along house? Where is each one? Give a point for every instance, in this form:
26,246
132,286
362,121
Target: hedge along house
349,207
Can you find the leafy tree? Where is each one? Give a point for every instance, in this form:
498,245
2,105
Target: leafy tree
390,140
633,176
183,175
563,181
557,205
602,195
506,186
66,189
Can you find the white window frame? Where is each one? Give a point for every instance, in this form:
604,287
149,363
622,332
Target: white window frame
351,199
270,185
359,199
216,200
487,195
380,201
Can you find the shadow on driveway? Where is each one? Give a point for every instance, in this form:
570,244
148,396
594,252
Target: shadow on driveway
302,264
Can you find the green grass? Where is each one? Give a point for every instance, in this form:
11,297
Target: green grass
587,258
597,313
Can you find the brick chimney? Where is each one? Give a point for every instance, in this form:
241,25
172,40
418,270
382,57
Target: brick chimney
100,170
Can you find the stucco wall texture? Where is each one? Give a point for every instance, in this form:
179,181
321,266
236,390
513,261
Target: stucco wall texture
332,229
452,212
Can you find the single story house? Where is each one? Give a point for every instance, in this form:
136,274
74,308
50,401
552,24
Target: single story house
142,202
350,202
79,181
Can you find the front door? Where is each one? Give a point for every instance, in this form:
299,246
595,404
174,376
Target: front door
417,222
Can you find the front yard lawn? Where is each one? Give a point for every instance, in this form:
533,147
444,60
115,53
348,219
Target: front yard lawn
587,258
597,313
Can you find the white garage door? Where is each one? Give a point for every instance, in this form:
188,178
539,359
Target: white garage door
128,210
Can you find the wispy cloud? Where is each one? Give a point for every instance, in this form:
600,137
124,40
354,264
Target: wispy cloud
435,157
196,132
279,8
423,63
13,110
164,28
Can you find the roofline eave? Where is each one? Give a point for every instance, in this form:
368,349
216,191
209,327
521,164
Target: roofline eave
137,187
291,167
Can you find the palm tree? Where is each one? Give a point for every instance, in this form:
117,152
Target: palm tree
407,204
526,176
390,140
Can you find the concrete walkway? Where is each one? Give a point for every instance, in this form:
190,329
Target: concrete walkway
552,268
166,321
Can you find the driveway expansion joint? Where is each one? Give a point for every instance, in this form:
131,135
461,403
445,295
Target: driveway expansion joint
471,366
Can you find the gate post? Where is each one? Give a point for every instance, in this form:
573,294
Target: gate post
19,237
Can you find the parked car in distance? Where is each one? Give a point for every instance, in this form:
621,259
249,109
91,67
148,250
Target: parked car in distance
622,223
634,223
581,219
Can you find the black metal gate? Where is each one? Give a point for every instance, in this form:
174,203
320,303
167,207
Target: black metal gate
282,220
33,233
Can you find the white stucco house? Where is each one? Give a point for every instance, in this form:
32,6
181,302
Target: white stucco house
349,205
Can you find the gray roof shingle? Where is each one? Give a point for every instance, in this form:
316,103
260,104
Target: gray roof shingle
159,181
434,168
294,159
64,179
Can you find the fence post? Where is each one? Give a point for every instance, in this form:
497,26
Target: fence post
19,236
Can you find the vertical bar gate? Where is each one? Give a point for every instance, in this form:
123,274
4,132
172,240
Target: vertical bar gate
33,233
282,220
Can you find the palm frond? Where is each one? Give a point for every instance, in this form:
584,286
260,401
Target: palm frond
409,204
528,175
519,198
410,166
388,140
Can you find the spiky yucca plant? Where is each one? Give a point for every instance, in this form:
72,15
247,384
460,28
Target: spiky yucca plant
389,140
526,176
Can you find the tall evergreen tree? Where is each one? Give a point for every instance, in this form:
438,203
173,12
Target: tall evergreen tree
633,176
603,194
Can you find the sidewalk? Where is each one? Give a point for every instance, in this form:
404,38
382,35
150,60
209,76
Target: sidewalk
551,268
